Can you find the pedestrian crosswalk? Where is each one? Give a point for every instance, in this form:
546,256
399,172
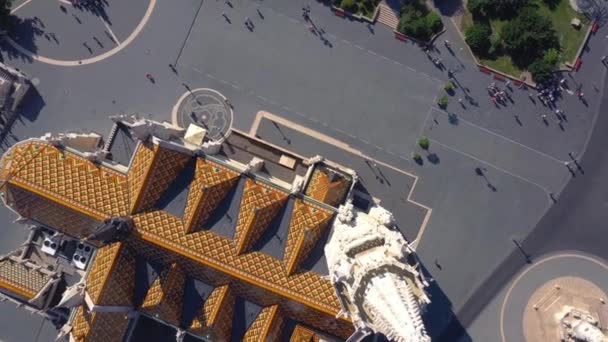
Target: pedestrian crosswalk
388,16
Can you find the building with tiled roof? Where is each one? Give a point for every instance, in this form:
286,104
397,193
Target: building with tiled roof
153,238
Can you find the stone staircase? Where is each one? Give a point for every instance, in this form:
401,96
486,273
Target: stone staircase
387,16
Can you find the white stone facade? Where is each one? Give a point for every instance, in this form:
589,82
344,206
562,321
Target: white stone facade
377,288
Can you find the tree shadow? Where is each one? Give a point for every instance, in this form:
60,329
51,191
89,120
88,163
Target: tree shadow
95,7
23,31
439,318
449,8
433,158
453,119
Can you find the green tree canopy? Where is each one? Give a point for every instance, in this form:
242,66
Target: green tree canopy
478,38
528,36
541,70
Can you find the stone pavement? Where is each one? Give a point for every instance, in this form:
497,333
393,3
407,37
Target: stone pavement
357,84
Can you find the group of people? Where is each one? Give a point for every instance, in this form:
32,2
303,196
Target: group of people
499,96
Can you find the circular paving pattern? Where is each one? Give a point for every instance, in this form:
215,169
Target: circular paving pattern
84,61
549,303
542,291
206,108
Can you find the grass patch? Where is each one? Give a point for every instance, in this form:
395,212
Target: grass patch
502,63
365,8
561,14
570,39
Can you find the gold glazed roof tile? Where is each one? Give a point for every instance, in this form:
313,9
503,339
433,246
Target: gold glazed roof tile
22,280
308,223
164,299
215,317
211,184
154,168
323,189
69,179
102,270
259,204
119,287
49,212
262,327
302,334
256,268
303,295
99,326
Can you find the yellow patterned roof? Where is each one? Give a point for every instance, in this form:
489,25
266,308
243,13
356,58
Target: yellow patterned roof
164,298
154,168
308,223
259,204
68,179
266,326
211,184
231,265
302,334
99,326
326,191
215,317
20,279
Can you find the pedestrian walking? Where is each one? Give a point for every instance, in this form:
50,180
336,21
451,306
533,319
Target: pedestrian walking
228,102
603,59
447,43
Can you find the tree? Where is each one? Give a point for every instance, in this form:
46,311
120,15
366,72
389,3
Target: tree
542,72
478,8
418,21
528,36
551,57
505,8
5,13
424,143
349,6
478,38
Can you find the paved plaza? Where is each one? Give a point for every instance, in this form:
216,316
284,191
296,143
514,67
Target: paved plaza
351,82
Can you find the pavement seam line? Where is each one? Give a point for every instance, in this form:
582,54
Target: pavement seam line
490,165
504,138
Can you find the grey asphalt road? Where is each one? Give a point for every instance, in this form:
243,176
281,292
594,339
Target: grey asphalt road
486,326
366,90
575,222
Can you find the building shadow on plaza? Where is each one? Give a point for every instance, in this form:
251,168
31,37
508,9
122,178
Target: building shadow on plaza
439,318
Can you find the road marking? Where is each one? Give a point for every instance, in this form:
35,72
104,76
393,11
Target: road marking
98,58
489,164
21,5
536,264
346,147
504,138
105,23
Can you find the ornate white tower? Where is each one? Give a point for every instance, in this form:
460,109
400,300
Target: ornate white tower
376,286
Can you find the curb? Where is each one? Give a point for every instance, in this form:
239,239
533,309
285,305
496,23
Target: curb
403,37
339,12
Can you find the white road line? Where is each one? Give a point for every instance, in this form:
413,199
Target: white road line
505,138
373,53
105,23
18,7
490,165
